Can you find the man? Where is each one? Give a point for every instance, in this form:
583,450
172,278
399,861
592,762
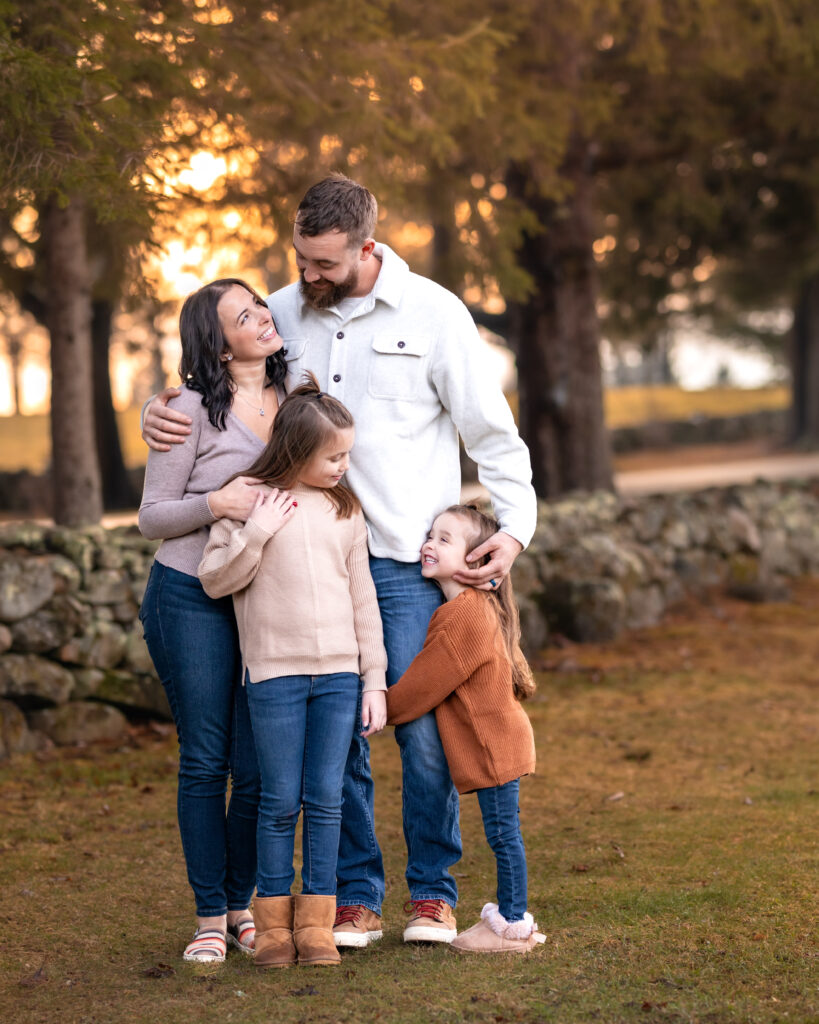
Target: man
403,354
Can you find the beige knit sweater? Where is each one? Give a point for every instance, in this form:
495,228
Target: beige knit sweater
304,599
463,672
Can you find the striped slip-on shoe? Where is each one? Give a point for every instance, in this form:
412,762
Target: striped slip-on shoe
208,946
242,935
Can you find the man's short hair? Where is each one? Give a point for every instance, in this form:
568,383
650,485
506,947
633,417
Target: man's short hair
338,203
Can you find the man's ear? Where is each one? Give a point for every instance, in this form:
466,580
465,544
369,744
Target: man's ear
366,250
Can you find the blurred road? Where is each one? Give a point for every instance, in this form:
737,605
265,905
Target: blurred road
677,477
681,473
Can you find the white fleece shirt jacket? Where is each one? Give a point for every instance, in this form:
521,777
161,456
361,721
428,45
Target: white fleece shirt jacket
411,368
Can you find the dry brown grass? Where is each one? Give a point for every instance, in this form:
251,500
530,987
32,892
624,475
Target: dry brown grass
671,833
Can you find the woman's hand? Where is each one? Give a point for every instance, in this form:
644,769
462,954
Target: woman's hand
373,711
272,512
236,500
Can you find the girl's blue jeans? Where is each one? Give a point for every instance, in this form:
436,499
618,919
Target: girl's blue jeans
194,645
303,727
501,823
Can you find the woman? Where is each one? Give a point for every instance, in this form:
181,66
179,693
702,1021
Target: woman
232,371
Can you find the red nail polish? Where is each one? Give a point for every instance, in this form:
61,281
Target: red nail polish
295,504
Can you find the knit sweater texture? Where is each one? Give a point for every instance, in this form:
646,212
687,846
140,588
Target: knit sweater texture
177,483
463,673
304,598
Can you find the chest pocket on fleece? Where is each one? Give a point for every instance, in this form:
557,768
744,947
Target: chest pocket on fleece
293,351
397,365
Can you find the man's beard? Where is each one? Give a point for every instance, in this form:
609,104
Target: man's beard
323,298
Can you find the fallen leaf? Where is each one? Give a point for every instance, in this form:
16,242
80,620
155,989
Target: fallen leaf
618,850
580,868
308,990
159,971
615,796
38,978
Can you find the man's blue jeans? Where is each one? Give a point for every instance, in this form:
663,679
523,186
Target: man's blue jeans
501,823
194,645
430,803
303,726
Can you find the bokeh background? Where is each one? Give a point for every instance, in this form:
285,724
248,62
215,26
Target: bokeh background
624,193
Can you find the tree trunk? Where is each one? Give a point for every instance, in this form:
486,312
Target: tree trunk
556,336
15,353
805,365
77,491
117,489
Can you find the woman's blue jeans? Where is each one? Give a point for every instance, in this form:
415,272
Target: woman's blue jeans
303,726
194,645
430,803
501,823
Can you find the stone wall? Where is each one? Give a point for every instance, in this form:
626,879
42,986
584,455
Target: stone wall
599,564
74,666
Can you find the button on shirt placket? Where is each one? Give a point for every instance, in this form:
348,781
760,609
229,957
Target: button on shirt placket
337,367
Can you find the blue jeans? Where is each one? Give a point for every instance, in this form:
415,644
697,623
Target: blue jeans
430,804
194,645
303,726
501,823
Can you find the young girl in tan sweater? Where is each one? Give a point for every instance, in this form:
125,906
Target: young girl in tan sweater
472,672
309,632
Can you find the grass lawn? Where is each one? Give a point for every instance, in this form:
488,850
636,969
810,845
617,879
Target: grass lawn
25,443
671,833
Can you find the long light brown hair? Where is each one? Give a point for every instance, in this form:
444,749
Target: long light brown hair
503,602
307,420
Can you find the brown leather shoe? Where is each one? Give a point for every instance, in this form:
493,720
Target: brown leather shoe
430,921
356,927
274,931
313,918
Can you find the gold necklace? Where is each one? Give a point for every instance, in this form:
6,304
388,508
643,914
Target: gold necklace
259,408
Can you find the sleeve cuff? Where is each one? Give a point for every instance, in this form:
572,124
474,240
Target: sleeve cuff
374,679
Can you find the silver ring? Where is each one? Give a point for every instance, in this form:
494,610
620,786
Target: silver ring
493,583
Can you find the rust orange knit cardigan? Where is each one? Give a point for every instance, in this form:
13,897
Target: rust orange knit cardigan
463,672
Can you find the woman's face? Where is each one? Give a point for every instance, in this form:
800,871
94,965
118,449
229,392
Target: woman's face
250,334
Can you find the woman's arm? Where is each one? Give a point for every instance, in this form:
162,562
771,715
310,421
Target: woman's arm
164,511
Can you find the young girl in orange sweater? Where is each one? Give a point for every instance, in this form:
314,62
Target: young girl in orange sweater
309,631
472,672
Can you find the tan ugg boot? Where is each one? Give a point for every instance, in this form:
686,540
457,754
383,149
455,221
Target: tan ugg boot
274,931
313,918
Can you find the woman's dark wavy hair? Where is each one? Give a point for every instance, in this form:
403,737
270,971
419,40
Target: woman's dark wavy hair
203,342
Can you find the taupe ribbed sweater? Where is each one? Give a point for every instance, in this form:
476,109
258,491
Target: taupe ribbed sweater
304,599
463,672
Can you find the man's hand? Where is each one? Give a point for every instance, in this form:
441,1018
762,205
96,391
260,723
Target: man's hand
503,548
373,711
272,512
236,500
161,426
